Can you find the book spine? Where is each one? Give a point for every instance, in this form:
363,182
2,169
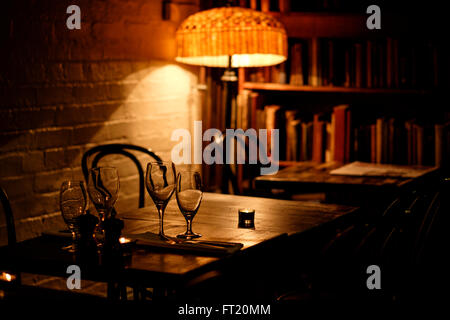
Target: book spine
395,64
265,5
385,143
409,142
332,136
369,62
254,106
420,146
339,133
379,140
331,71
348,135
347,68
373,143
358,65
389,58
317,152
284,6
314,63
304,145
391,140
296,73
328,142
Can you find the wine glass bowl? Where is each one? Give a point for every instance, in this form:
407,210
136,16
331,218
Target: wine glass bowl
73,202
189,194
160,184
103,188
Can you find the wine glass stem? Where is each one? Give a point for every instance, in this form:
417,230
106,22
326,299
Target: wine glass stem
161,221
189,226
74,239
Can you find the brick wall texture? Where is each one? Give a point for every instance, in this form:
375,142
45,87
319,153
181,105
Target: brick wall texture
63,91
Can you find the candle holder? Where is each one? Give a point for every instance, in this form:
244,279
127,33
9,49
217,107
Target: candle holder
246,218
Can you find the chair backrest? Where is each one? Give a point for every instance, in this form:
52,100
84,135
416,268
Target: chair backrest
101,151
9,217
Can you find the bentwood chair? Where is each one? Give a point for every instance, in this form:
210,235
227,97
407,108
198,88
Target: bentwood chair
91,159
95,154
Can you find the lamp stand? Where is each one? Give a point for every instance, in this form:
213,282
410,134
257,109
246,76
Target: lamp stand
230,80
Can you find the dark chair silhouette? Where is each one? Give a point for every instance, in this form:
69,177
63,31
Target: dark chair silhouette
17,291
405,241
11,230
229,280
101,151
339,264
10,226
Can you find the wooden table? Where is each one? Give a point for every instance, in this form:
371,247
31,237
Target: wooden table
217,219
310,176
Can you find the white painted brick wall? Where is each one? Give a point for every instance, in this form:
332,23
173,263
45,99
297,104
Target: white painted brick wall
62,92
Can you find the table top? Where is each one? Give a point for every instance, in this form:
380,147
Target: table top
217,219
312,174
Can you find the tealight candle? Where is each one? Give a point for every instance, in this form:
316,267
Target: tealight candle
7,277
124,240
246,218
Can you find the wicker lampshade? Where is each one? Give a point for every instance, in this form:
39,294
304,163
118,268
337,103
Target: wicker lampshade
251,38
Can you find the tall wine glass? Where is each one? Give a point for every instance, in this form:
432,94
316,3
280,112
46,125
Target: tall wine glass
160,183
103,188
189,193
73,202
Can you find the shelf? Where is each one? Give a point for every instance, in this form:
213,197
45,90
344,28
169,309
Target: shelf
307,25
257,86
341,25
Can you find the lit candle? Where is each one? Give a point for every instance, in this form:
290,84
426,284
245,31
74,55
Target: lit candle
124,240
246,218
5,276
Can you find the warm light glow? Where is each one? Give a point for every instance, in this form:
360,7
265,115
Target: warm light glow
252,38
7,277
237,60
124,240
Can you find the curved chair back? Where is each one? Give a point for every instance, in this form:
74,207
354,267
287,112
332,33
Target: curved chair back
9,217
101,151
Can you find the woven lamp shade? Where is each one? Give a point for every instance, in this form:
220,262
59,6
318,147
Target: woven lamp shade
251,38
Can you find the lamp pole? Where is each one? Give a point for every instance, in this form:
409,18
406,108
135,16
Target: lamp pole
229,79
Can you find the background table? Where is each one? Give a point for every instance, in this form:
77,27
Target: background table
308,176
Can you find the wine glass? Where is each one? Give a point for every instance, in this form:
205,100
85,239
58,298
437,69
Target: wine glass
73,203
103,188
160,183
189,193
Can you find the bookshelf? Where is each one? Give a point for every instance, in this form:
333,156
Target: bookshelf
281,87
388,85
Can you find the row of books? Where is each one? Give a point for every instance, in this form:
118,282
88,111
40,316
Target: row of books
339,137
382,63
389,140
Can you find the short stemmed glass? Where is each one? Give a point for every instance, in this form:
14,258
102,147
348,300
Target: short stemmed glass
103,188
189,193
73,202
160,183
